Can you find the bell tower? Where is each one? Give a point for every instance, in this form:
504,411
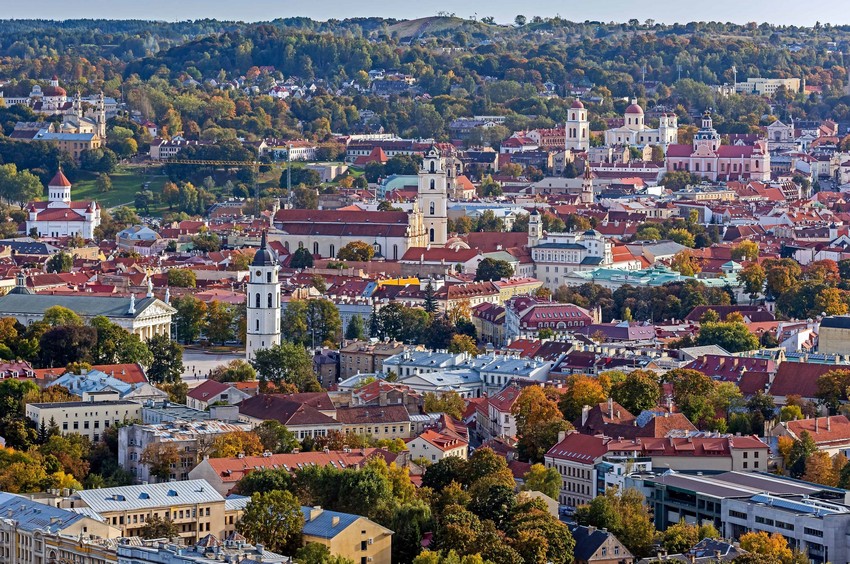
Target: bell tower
587,186
263,303
433,197
535,229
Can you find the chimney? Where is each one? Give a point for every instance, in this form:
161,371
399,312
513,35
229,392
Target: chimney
334,521
610,408
816,424
315,511
828,424
585,411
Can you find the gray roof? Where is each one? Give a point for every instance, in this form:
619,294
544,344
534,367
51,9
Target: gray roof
87,306
323,526
576,246
131,498
31,515
839,322
63,404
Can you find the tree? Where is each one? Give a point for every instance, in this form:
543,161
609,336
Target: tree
167,363
355,330
543,480
831,301
301,258
752,277
580,391
116,345
158,528
159,458
450,469
206,242
832,388
219,322
519,20
17,186
489,188
189,318
450,403
463,344
103,183
538,421
286,363
733,336
745,250
821,470
234,371
624,514
769,545
65,344
639,390
305,198
228,445
275,437
679,538
801,450
493,269
692,393
356,251
60,262
182,278
273,519
685,263
315,553
682,236
59,315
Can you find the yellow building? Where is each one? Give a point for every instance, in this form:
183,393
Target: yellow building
350,536
834,335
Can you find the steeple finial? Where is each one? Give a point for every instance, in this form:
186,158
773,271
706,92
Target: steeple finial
263,240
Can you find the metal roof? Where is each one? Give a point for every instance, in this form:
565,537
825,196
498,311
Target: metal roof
35,304
31,515
323,525
166,494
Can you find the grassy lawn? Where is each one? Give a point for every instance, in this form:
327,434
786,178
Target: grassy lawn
126,181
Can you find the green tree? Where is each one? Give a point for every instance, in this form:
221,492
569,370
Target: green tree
206,243
189,318
60,262
624,514
489,188
116,345
301,258
638,391
315,553
234,371
182,278
274,519
538,422
355,330
167,363
752,277
450,403
356,251
733,336
66,344
286,363
103,183
59,315
692,393
219,322
493,269
158,528
276,437
543,480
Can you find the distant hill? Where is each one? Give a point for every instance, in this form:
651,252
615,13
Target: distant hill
436,25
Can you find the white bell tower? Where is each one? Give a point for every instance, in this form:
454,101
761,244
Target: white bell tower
535,229
263,315
577,127
433,197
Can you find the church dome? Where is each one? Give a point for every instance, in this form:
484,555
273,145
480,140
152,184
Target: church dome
577,104
54,91
263,256
59,180
634,109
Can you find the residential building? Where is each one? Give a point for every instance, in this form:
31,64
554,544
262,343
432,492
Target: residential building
379,422
304,418
31,532
494,416
526,317
208,550
96,381
366,357
834,335
768,86
598,546
349,536
433,445
194,506
88,418
164,149
831,434
188,440
210,392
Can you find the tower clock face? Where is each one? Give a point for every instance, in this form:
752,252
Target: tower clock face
259,273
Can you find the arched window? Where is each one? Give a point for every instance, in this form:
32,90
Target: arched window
433,166
300,244
433,184
286,245
431,234
333,251
431,208
269,277
258,325
270,300
257,300
395,252
315,248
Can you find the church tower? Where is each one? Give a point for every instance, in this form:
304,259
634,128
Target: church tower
535,229
59,190
577,127
587,186
100,116
433,197
263,302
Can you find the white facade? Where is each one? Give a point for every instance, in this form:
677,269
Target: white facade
59,216
433,197
635,131
560,254
87,418
577,128
263,316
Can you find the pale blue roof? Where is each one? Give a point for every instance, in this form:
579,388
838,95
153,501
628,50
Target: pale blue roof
323,525
93,381
32,515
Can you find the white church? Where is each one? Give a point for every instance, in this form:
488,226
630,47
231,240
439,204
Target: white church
635,131
263,301
61,217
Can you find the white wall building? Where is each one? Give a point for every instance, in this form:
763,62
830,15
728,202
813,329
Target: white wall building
59,216
263,303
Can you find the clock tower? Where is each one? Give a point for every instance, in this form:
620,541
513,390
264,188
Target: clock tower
263,315
433,197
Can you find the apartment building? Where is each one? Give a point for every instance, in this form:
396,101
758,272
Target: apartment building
194,506
350,536
88,418
362,357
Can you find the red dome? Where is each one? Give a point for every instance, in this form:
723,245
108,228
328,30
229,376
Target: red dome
634,109
59,180
577,104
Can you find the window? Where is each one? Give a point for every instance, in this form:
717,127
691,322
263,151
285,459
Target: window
363,545
431,234
433,166
270,299
269,277
315,248
433,184
431,208
258,325
257,300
